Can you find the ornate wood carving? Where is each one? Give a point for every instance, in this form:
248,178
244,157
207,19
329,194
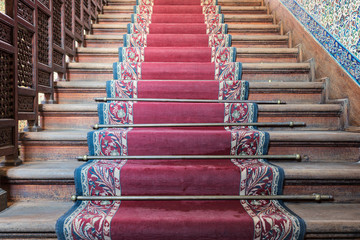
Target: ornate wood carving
78,8
68,15
69,41
43,37
25,65
78,28
57,4
58,58
44,78
25,12
6,137
6,33
6,85
45,3
25,104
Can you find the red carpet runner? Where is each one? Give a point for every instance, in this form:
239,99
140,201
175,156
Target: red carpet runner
178,49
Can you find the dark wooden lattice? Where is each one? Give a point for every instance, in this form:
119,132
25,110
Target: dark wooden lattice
25,103
6,85
93,8
78,28
43,37
78,8
45,3
25,12
25,76
6,137
44,78
57,22
68,14
58,58
6,33
86,3
86,18
69,41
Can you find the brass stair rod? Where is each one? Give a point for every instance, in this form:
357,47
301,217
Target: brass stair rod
310,197
175,157
270,124
104,99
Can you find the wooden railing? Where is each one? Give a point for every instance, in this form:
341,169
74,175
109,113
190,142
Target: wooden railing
37,37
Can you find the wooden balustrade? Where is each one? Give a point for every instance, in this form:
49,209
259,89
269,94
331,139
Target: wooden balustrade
37,37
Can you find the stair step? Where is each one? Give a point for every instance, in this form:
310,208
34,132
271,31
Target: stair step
251,71
224,9
104,55
220,2
316,116
55,179
237,40
121,28
319,146
75,92
254,18
37,219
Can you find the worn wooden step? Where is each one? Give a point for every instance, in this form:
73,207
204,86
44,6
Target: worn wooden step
220,2
110,55
251,71
316,116
224,9
114,41
314,146
228,18
55,179
290,92
244,29
36,219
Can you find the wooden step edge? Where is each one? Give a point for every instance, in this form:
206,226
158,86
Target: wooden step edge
52,170
323,220
307,108
275,136
253,86
246,66
92,50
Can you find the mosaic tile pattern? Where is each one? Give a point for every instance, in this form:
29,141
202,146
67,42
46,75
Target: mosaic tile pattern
2,6
336,25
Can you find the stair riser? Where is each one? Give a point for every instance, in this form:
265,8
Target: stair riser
348,192
315,121
130,10
311,151
230,21
267,44
246,32
219,3
251,58
87,96
287,76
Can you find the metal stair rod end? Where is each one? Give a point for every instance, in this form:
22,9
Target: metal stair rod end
298,157
73,198
96,126
82,158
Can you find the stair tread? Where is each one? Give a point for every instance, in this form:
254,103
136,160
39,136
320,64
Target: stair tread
253,85
238,50
234,37
288,136
245,66
227,16
64,170
41,216
92,107
230,26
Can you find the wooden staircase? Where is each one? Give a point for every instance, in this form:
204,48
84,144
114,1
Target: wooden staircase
40,189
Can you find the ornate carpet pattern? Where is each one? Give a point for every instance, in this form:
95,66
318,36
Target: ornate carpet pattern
180,50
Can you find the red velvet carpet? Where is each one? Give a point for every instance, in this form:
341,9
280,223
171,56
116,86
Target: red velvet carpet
180,50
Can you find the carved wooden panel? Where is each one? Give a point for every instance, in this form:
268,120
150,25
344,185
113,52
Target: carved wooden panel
44,78
6,137
45,3
25,12
43,37
78,8
93,8
25,103
7,85
68,14
57,4
86,18
78,28
86,3
69,41
25,64
58,58
6,33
